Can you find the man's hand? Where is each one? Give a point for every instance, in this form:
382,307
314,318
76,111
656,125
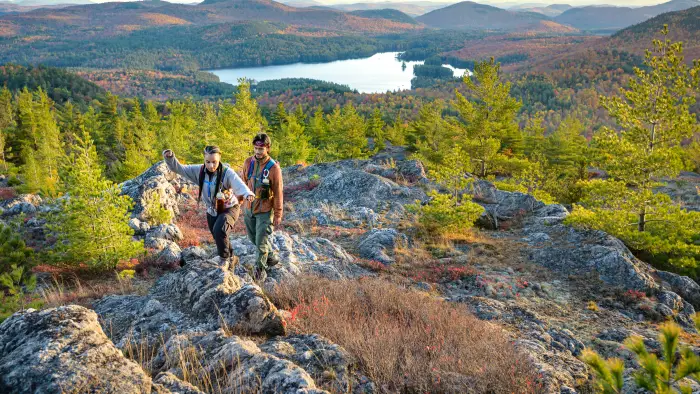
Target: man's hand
250,198
276,221
168,153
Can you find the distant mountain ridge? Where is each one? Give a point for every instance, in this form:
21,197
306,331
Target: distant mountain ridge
608,18
629,45
468,15
30,3
550,10
110,19
413,8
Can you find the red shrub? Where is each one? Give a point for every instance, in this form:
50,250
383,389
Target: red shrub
7,193
291,191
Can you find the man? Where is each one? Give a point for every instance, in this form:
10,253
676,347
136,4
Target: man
261,215
219,185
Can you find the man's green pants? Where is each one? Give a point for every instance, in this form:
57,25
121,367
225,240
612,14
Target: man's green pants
259,228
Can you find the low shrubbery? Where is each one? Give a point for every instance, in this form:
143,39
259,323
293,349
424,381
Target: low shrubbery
445,214
405,341
154,211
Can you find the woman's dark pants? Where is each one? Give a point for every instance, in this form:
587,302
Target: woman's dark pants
221,227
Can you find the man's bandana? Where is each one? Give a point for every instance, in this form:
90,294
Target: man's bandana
261,144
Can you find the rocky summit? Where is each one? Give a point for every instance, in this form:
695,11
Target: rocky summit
554,290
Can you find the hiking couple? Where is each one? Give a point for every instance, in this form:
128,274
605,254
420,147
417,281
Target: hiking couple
222,191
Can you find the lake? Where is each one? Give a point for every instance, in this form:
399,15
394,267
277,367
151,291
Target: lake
376,74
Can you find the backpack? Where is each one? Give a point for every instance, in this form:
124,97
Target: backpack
265,172
219,177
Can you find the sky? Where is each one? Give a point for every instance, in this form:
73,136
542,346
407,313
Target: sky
497,3
629,3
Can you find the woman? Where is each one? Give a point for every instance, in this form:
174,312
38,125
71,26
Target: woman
219,187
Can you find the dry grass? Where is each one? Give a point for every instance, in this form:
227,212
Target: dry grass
405,341
222,377
73,290
188,360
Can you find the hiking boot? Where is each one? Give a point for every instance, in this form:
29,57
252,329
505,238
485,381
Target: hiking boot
272,260
224,261
260,274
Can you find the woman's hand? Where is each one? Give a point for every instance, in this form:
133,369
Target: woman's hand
167,153
250,198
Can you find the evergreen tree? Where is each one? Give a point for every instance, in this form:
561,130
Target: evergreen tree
299,114
489,117
431,136
138,143
375,130
396,133
91,227
693,153
6,115
25,133
240,122
67,123
348,139
31,171
3,141
317,128
534,136
654,119
176,132
293,144
153,118
513,143
317,131
14,254
110,137
50,151
568,150
7,121
279,116
655,375
38,134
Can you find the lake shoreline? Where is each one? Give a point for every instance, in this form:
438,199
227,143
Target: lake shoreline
378,73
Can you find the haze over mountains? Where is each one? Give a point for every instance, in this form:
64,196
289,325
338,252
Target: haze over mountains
540,17
615,18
